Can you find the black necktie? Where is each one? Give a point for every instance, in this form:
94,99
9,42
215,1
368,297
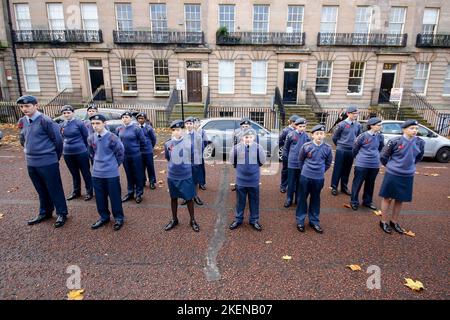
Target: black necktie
142,126
31,121
99,136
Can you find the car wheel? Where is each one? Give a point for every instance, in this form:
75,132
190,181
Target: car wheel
209,151
443,155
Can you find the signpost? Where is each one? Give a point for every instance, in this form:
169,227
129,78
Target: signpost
181,85
396,96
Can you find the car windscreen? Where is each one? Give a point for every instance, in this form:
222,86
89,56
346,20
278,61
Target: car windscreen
391,128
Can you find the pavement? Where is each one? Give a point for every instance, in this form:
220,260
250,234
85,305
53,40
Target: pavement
142,261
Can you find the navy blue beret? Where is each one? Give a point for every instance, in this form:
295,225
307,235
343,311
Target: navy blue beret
92,106
318,127
373,121
293,118
244,121
67,107
98,117
177,124
27,100
126,113
141,114
351,109
189,119
300,121
409,123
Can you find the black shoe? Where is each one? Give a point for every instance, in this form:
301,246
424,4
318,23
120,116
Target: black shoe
301,228
385,227
234,225
256,226
99,223
117,225
316,228
127,197
346,191
171,224
60,221
73,195
39,219
233,188
202,186
334,192
396,227
354,206
370,206
288,203
138,199
195,226
283,190
88,196
183,203
152,186
198,201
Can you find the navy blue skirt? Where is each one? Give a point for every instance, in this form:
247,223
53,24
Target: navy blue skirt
397,187
197,173
184,189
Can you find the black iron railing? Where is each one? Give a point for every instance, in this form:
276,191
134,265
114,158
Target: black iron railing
171,102
362,39
58,36
425,40
158,37
262,38
278,101
207,103
316,107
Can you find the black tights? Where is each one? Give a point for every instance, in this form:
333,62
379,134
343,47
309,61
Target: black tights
174,206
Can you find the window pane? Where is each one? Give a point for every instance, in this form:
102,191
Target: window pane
161,72
430,17
362,21
124,17
295,18
89,15
56,16
158,17
226,16
23,18
129,79
192,18
328,19
323,76
396,20
30,72
63,78
226,76
260,18
259,73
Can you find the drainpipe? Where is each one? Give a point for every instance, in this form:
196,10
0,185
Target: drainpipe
13,46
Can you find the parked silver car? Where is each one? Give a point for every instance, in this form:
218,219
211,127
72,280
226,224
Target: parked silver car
220,132
436,146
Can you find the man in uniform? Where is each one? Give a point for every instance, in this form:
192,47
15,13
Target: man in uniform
43,146
147,151
281,142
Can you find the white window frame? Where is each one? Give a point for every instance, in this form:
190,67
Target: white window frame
122,75
330,77
223,77
252,85
16,12
158,21
54,4
424,93
363,69
402,22
447,82
297,15
25,75
83,17
116,5
57,74
196,5
368,23
159,93
268,17
436,22
228,13
329,22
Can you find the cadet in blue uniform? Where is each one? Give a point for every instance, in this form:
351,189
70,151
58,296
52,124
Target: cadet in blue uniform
244,125
315,159
294,141
108,153
247,156
43,146
399,156
133,141
344,138
366,152
281,141
202,182
147,151
196,141
179,173
76,156
92,110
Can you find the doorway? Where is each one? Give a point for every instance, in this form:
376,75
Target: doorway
194,81
290,83
96,79
387,82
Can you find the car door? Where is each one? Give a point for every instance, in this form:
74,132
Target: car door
430,140
220,132
264,137
391,130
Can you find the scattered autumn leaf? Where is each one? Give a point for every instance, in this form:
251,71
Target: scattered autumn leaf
414,285
75,294
162,171
160,182
410,233
354,267
434,174
287,257
154,157
377,212
346,205
268,242
13,189
232,184
1,216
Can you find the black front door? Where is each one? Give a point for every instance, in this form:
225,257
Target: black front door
387,81
96,76
290,87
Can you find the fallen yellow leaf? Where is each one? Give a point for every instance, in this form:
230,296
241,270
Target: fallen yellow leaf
414,285
448,197
354,267
410,233
346,205
377,212
75,294
434,174
417,172
268,241
162,171
1,215
287,257
160,182
232,184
